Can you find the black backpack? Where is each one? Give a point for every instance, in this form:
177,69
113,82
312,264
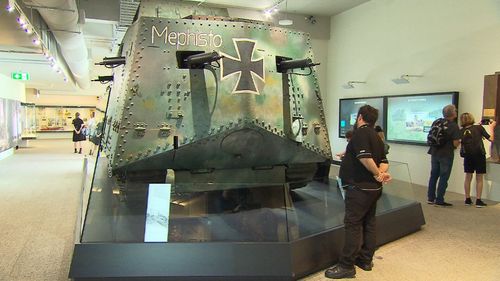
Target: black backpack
437,136
469,144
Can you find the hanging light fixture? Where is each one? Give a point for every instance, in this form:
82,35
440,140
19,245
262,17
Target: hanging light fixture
285,21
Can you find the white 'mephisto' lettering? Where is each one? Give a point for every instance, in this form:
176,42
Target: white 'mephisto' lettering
188,38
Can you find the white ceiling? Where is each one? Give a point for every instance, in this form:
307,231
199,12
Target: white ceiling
17,53
304,7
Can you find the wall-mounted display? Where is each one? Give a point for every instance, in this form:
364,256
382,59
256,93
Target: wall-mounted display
10,127
348,112
409,118
58,118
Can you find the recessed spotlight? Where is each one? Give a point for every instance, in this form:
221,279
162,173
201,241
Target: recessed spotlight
36,41
10,8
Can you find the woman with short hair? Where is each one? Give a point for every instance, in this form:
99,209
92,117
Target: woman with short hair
78,135
474,154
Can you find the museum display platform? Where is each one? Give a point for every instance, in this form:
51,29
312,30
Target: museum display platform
229,231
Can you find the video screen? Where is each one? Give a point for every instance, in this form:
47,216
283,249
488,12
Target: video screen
409,118
349,111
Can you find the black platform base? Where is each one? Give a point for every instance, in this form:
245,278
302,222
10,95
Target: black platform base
230,261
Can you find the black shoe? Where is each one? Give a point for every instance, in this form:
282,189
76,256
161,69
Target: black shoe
366,266
338,272
480,203
76,151
443,204
468,202
430,202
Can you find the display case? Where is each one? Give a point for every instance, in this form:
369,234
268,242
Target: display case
59,118
233,230
10,127
28,121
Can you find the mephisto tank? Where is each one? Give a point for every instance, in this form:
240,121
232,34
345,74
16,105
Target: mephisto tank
214,99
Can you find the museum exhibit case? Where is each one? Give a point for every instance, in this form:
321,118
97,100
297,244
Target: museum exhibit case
214,162
28,123
235,231
50,118
10,123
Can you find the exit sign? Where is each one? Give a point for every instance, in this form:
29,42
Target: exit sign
24,76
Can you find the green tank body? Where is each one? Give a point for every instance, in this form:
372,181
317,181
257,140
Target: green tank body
213,99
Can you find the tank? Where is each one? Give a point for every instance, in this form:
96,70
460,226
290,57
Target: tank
212,99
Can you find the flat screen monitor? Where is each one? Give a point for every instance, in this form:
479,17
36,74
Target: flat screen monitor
409,118
349,111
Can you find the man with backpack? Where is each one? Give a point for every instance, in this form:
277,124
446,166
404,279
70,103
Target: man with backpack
443,138
474,154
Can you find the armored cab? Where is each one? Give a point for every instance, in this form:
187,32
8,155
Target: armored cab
214,99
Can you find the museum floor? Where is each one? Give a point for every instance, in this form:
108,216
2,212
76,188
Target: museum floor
40,189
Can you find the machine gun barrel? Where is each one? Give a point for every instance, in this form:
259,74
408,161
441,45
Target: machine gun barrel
198,60
285,65
112,61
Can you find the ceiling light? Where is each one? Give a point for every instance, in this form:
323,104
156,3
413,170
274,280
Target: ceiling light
403,79
28,30
10,8
20,20
36,41
285,21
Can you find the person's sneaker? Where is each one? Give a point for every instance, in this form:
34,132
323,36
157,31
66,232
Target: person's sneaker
468,202
338,272
366,266
480,203
443,204
430,202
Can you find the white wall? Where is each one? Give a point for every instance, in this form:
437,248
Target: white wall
12,90
62,100
452,43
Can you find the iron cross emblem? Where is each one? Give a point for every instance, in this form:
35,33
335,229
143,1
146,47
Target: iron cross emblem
244,66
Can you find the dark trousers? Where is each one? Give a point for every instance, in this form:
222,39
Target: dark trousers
440,169
359,225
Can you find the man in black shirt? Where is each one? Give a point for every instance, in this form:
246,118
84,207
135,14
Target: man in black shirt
442,159
364,170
